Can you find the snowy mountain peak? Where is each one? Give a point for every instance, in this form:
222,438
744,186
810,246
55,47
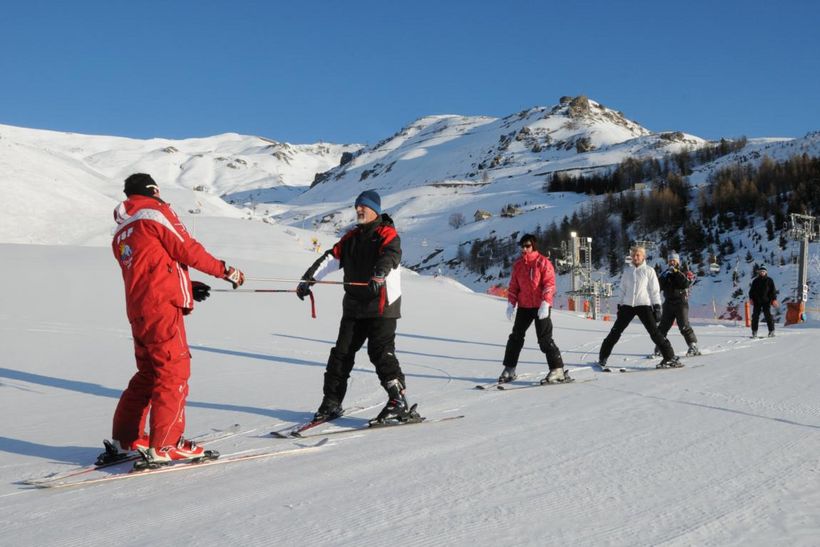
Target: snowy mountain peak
576,133
575,123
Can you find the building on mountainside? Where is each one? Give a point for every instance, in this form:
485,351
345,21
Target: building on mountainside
510,210
481,214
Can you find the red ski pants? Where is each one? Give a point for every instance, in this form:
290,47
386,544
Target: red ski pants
161,382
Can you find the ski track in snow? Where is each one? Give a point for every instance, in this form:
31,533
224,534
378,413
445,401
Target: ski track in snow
712,455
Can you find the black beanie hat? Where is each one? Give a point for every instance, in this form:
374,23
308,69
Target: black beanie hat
140,184
528,238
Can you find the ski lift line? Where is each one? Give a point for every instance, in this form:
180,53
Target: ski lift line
282,280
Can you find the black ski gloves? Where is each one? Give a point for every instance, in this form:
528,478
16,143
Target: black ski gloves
657,309
201,290
376,283
303,288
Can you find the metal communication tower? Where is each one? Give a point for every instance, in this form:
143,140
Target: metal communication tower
577,261
803,230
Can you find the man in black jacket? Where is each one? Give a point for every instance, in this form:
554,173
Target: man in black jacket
369,254
675,288
763,294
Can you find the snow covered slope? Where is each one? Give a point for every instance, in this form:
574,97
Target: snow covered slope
721,452
60,188
445,165
49,178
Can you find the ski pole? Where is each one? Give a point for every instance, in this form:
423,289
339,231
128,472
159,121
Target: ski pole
280,280
253,290
310,294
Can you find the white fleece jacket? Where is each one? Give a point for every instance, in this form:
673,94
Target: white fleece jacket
639,286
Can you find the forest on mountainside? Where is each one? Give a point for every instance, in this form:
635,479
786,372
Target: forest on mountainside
653,200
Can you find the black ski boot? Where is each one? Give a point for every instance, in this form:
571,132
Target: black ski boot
396,410
674,362
507,375
328,410
693,351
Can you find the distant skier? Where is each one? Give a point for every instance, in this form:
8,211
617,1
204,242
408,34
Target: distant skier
640,295
763,295
674,285
369,253
154,250
532,287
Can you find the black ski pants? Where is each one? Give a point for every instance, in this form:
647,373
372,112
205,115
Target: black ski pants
524,317
625,316
767,315
380,334
677,311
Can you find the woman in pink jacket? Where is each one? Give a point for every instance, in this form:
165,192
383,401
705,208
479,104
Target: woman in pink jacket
532,286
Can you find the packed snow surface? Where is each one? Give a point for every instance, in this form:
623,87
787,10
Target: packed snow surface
721,452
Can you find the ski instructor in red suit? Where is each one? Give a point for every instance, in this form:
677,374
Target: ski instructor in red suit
154,250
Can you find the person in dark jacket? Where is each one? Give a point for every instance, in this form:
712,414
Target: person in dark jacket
763,295
370,256
674,285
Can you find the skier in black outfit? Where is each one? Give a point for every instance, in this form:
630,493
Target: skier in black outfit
675,288
370,253
763,294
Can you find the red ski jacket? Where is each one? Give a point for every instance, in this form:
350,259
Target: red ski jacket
154,250
532,281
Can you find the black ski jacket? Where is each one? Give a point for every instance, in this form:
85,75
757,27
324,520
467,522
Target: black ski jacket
762,291
366,250
674,285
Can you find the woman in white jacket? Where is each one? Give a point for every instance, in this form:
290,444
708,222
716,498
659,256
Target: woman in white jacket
641,296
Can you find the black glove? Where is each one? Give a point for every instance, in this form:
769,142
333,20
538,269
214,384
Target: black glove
376,283
201,290
303,288
657,309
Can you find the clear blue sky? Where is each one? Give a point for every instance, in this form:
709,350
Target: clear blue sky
358,71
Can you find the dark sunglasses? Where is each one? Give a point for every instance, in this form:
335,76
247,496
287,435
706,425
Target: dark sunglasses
526,245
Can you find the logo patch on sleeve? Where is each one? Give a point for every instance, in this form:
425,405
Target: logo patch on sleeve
126,255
